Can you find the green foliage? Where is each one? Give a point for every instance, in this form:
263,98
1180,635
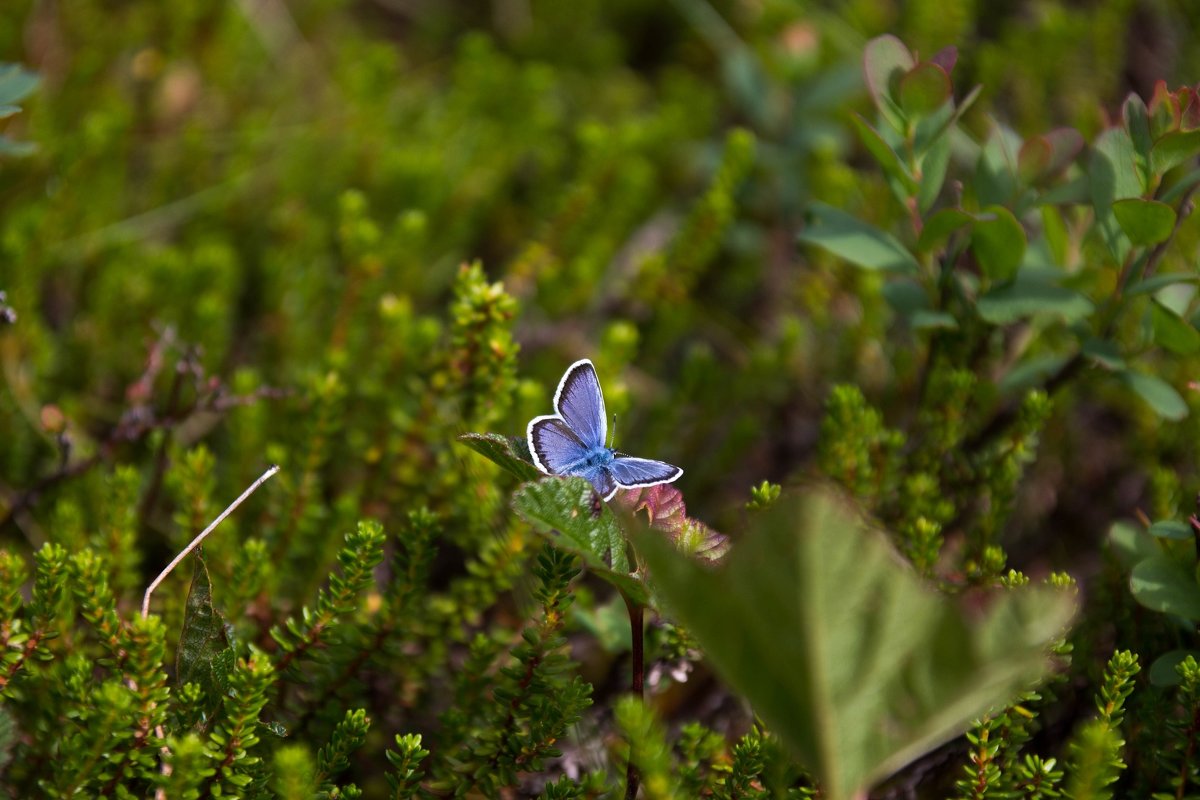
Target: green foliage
920,663
341,237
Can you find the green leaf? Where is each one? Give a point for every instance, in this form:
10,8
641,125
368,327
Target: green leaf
204,655
1172,331
885,62
906,297
928,320
1137,122
1103,352
1174,149
996,171
941,226
924,89
1048,154
1171,529
1025,298
1131,543
844,653
1162,671
1162,583
885,155
998,242
1031,372
856,241
568,512
16,83
1145,222
1157,393
1113,175
509,452
933,173
1156,282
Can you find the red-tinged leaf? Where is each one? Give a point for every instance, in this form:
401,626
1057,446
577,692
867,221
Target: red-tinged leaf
946,58
924,89
885,61
666,511
1163,111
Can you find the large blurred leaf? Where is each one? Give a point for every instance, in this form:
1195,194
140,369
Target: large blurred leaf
855,240
204,655
1157,393
885,62
998,241
843,652
571,515
1173,331
1025,298
1113,175
16,83
1162,583
1145,222
509,452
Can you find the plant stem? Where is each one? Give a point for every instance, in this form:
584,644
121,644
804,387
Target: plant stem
638,666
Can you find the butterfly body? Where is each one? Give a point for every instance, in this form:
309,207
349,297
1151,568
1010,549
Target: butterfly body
571,441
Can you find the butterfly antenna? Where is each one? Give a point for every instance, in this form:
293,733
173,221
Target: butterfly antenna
612,434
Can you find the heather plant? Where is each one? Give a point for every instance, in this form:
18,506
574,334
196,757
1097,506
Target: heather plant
914,343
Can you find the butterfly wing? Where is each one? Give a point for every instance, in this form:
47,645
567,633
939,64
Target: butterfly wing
634,473
580,403
554,446
602,481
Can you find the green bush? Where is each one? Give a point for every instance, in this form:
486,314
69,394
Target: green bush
922,351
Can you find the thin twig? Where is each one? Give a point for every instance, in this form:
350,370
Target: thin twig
200,538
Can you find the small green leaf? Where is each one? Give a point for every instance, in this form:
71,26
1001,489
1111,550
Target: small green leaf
1156,282
509,452
204,656
941,226
924,89
996,180
856,664
1172,331
1137,122
1171,529
568,512
1104,353
1174,149
1162,583
934,163
1113,175
1026,298
856,241
885,62
1145,222
885,156
930,320
1157,393
1031,372
1131,543
1163,672
998,242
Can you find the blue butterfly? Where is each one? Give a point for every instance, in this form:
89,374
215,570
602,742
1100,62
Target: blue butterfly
571,440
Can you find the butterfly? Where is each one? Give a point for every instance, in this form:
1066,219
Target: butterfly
571,440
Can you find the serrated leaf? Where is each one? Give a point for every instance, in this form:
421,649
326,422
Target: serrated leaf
1026,298
509,452
844,653
569,513
1157,393
1162,583
1172,331
1145,222
998,241
204,655
856,241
